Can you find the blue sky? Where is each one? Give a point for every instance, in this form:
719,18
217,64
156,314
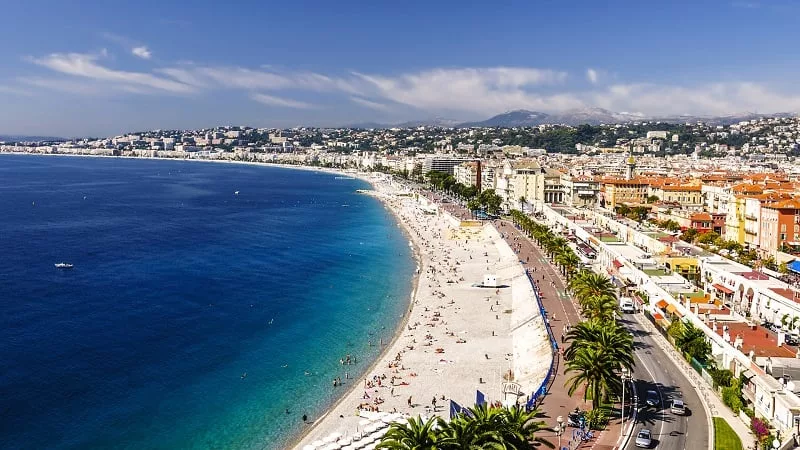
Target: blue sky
103,68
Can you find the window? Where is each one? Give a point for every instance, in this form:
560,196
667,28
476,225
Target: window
783,236
783,227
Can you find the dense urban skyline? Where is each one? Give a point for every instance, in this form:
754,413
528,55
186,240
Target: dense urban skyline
101,70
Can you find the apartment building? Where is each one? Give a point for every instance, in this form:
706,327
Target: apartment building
780,224
579,191
468,174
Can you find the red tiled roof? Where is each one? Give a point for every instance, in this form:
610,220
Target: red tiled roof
761,341
662,303
722,288
616,263
754,276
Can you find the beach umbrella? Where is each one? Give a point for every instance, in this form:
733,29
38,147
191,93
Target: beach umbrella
309,447
318,443
364,422
350,447
333,446
371,429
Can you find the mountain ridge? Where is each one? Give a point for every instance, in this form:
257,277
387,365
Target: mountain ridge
572,117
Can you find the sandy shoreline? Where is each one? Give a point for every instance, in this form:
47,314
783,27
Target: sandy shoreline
457,338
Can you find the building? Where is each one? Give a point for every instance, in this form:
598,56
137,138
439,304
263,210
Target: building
442,163
780,224
553,191
579,191
469,174
686,195
619,191
521,183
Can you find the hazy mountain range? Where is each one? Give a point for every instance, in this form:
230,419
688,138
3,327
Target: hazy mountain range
14,138
574,117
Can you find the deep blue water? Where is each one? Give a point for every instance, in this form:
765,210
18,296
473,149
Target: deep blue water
144,343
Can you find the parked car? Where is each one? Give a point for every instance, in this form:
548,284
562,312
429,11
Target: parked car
644,439
678,407
651,398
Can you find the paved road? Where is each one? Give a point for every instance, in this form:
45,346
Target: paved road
654,371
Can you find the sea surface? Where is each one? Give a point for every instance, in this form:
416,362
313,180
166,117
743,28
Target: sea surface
194,318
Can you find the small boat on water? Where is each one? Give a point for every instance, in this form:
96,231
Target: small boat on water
236,193
63,265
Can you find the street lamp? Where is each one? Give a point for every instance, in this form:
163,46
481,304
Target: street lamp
559,430
622,406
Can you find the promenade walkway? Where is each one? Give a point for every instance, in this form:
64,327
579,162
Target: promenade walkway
562,312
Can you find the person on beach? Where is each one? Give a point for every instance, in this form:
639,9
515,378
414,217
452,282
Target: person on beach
409,401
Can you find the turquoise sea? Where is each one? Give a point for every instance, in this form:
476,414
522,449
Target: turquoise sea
179,288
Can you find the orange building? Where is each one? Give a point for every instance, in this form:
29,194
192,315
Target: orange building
780,224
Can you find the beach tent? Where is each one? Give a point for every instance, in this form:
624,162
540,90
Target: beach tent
455,409
480,398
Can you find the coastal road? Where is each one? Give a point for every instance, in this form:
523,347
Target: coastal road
654,371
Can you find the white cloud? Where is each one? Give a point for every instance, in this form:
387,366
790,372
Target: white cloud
475,90
142,52
278,101
86,66
457,92
591,75
370,104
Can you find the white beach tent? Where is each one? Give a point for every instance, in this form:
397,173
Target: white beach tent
309,447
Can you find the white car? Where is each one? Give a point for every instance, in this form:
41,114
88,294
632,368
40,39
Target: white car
678,407
644,439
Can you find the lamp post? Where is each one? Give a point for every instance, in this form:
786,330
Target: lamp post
559,430
622,406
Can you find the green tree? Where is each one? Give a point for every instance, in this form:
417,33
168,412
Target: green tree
709,237
414,435
689,235
693,341
597,353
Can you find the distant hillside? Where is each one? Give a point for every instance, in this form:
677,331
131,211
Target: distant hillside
573,117
21,138
525,118
518,118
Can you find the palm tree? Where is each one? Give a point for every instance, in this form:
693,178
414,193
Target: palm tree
414,435
603,308
598,351
568,261
692,340
462,432
593,291
521,428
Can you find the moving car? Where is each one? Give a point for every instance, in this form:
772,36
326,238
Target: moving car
644,439
678,407
651,398
626,305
